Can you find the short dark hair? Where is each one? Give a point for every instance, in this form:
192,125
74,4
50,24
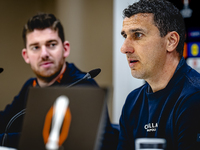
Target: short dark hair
167,18
42,21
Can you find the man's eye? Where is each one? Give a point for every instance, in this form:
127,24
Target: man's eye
52,45
35,48
137,35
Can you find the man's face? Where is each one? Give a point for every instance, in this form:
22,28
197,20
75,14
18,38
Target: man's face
144,47
45,52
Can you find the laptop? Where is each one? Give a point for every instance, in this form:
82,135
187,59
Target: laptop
85,123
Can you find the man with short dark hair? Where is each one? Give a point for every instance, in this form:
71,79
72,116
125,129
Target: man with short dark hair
45,51
167,105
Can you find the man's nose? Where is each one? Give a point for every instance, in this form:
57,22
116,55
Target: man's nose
44,52
127,46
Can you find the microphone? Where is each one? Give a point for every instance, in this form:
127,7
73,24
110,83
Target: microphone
1,70
150,143
91,74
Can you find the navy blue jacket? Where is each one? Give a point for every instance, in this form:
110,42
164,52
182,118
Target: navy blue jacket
71,75
172,113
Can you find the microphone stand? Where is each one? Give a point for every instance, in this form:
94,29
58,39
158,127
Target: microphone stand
89,75
22,112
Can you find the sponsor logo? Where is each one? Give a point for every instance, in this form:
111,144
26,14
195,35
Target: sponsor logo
193,49
151,127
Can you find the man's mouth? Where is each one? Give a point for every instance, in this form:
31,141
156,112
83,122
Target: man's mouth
46,64
132,63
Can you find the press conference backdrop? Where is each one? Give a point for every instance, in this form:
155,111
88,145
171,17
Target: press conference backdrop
190,12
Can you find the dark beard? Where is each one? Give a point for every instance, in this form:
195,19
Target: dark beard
50,78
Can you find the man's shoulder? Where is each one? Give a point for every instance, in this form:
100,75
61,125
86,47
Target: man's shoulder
73,71
29,82
189,87
186,79
187,74
192,80
24,90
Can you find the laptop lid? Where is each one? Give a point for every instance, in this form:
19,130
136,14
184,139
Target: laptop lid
85,121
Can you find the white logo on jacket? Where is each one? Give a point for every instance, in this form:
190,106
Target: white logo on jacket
151,127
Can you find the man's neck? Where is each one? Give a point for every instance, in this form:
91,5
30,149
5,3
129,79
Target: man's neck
161,80
44,83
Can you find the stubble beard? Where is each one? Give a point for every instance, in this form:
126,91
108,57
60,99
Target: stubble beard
49,74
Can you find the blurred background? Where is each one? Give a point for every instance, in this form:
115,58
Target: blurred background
93,29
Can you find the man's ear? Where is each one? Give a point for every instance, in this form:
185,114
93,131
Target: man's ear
25,55
173,40
66,46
